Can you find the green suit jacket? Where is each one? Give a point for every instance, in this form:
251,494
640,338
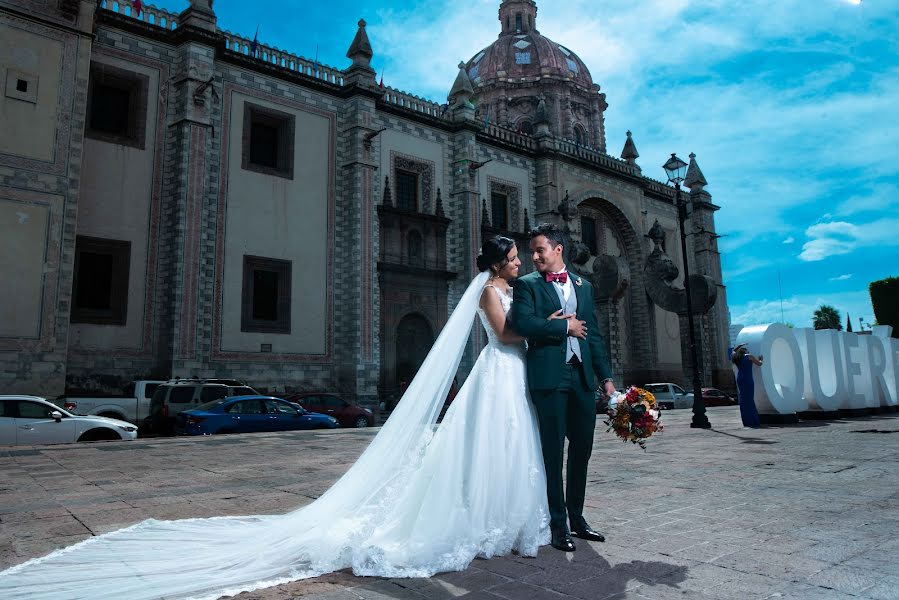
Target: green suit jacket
535,299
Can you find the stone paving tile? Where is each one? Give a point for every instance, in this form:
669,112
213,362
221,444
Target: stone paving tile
851,580
517,590
808,592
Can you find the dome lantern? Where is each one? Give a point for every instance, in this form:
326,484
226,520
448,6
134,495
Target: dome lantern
518,16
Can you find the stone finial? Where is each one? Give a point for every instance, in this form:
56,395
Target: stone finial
542,116
541,120
630,153
694,180
462,90
439,209
657,235
567,208
199,14
387,197
360,50
360,72
485,216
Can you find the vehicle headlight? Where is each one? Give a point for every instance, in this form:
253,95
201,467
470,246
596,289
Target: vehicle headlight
128,428
368,410
332,419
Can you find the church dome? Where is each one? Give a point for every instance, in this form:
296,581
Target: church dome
522,56
522,71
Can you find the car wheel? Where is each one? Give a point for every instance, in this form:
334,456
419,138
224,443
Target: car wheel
360,422
99,435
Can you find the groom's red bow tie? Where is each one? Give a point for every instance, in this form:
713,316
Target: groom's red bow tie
560,277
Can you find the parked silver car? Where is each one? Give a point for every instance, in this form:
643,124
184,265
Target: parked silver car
31,420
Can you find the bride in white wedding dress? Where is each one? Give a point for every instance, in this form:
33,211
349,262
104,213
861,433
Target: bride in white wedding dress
419,500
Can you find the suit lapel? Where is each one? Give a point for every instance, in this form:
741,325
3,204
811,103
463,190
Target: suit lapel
578,290
550,292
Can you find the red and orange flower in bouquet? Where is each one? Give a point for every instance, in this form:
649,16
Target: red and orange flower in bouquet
634,416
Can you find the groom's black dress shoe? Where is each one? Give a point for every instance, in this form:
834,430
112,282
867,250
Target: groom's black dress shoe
580,529
561,540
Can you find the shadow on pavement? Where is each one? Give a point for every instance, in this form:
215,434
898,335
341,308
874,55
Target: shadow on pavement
584,573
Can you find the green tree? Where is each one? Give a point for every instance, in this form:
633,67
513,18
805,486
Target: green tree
885,300
827,317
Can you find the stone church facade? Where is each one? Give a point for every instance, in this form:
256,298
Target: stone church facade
177,200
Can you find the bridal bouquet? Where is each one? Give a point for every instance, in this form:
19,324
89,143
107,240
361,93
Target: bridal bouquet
634,416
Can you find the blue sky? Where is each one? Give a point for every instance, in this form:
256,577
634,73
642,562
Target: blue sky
789,105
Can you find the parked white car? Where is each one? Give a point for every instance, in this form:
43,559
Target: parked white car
670,395
30,420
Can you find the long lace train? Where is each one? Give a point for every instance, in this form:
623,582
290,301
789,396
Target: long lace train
417,502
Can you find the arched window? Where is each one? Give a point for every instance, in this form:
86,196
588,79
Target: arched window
525,127
580,136
499,210
415,248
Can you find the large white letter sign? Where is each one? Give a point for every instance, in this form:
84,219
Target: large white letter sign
826,370
780,380
826,383
853,360
883,371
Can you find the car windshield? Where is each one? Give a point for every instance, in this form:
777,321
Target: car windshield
212,404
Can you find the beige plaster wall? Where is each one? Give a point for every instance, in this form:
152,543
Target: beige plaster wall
29,129
274,217
24,239
114,203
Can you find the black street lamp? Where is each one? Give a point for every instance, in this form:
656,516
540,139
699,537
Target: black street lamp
676,170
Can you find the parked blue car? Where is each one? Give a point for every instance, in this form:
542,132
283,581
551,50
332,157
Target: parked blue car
248,414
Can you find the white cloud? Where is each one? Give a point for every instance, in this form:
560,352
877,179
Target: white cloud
844,277
840,237
790,240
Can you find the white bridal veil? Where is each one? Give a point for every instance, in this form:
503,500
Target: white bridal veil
208,558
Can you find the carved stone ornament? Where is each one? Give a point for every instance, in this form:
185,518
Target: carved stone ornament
661,272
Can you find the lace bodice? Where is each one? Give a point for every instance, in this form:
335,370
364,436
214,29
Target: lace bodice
506,301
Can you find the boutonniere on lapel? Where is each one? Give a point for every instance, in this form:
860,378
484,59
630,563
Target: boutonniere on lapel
578,281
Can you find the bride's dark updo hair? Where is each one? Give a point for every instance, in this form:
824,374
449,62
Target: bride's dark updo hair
495,251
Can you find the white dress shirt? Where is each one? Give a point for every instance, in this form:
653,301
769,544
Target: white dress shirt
566,292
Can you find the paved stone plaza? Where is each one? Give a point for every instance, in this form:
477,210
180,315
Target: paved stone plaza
802,512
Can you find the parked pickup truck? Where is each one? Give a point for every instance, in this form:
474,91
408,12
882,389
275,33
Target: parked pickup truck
134,408
670,395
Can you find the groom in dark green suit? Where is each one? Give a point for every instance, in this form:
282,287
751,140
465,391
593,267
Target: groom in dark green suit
566,356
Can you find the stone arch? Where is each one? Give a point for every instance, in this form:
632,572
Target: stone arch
581,137
631,323
524,125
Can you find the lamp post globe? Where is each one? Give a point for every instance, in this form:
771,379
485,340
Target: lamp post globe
676,170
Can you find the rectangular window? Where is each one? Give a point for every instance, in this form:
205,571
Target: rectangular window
518,22
100,288
499,210
117,106
406,191
588,233
266,295
268,141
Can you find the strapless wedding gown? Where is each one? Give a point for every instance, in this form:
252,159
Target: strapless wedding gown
474,487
